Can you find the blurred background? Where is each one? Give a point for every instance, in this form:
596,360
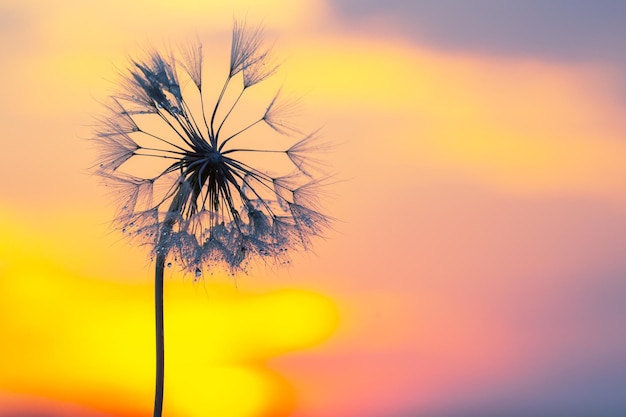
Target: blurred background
477,267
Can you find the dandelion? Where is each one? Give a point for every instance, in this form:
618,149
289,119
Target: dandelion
200,191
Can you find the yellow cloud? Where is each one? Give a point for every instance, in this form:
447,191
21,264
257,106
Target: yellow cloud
89,341
520,125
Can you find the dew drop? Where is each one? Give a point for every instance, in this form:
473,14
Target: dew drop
124,230
198,272
169,264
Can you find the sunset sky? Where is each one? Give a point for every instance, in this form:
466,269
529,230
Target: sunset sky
476,267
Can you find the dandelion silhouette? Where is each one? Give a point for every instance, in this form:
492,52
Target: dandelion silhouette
190,185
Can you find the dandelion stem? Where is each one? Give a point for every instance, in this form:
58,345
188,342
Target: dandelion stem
252,150
217,105
245,168
192,119
163,150
208,131
238,133
177,204
161,139
174,129
229,112
160,347
155,155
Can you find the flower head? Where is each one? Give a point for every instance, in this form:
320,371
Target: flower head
198,189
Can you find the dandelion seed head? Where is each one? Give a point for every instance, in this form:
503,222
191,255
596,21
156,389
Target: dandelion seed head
191,186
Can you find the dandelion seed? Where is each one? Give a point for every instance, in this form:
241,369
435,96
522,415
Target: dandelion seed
258,70
279,111
246,47
192,61
300,154
187,187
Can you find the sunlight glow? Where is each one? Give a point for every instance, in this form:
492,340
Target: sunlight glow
73,338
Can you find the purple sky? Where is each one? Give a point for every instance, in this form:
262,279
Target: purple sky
588,377
564,29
